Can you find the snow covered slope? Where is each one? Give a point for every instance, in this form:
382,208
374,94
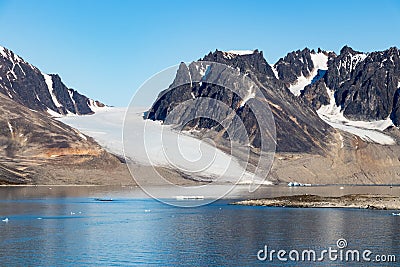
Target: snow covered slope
370,131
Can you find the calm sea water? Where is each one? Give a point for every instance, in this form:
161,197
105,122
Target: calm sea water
71,228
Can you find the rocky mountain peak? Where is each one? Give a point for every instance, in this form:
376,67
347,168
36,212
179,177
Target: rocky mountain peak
27,85
302,67
365,85
298,127
293,65
348,50
245,60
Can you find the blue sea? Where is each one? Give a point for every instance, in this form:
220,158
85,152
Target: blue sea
70,227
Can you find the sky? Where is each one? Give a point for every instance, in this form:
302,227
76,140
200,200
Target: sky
108,49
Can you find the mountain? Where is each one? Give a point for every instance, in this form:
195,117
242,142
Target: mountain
298,127
27,85
363,86
302,67
316,143
36,149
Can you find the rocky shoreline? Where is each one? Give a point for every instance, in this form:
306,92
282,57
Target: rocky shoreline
360,201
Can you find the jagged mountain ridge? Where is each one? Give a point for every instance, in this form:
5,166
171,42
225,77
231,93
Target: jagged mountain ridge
365,86
27,85
298,63
298,127
309,150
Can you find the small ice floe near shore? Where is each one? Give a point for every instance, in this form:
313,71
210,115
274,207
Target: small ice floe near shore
189,197
297,184
103,199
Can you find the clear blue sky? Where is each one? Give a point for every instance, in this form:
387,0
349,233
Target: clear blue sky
107,49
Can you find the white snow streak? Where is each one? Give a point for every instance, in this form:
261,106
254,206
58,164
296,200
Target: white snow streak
49,82
71,96
53,113
190,75
275,71
94,107
82,136
11,129
204,70
251,93
241,52
300,84
3,52
353,61
234,53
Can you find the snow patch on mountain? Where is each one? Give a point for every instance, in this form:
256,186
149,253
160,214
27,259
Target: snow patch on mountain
241,52
301,82
275,71
251,93
94,106
2,51
234,53
352,61
49,83
370,131
320,62
71,96
53,113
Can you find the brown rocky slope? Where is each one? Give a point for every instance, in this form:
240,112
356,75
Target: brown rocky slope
36,149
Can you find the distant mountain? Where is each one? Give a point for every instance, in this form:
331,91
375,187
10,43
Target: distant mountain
27,85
